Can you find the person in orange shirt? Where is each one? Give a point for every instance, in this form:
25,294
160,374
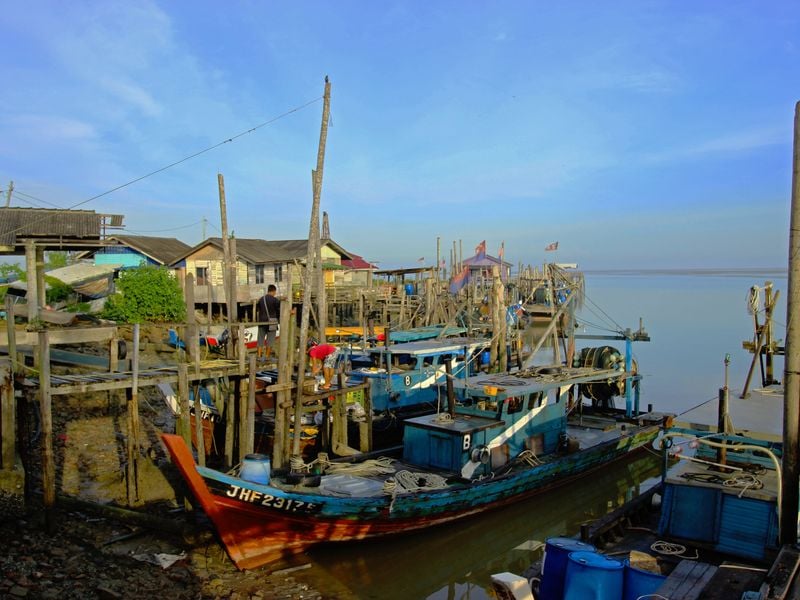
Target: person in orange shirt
323,357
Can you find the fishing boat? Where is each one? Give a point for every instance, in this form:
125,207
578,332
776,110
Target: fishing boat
504,437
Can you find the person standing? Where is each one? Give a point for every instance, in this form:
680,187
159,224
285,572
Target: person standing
268,313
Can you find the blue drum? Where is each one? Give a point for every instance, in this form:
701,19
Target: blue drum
592,576
640,583
554,565
256,468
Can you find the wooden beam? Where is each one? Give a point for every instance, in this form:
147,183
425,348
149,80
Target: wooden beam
7,417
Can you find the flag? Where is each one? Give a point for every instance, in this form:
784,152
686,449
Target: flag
551,247
480,250
501,253
442,264
421,259
459,281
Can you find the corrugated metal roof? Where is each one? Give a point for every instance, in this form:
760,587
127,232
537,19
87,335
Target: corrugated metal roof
160,249
18,223
257,251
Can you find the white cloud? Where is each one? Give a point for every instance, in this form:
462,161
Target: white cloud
740,141
52,128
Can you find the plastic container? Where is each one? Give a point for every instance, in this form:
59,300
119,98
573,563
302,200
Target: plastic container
554,565
409,289
640,583
256,468
592,576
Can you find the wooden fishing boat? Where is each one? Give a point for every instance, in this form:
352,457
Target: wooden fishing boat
507,437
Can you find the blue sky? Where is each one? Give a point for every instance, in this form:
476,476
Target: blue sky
636,134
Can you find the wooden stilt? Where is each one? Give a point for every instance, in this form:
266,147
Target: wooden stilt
46,417
132,470
7,417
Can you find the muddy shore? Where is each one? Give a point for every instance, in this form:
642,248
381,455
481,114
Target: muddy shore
92,554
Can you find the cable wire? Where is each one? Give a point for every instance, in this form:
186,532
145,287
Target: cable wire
173,164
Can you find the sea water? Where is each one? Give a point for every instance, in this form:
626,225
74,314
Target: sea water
694,320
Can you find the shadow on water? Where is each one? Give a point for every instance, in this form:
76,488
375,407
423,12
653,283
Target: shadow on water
457,560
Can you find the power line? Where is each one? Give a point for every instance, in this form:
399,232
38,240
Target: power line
16,191
177,162
170,229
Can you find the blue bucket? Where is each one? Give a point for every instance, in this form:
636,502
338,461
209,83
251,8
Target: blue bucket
640,583
554,565
592,576
409,289
255,468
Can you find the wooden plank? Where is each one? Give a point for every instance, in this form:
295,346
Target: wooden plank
69,335
782,574
687,580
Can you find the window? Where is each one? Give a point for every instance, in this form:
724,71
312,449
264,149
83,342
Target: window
201,275
259,273
278,273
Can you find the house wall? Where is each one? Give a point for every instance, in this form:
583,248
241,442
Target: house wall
125,257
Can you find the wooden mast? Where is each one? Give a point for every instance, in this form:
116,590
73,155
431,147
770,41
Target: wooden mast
311,267
791,390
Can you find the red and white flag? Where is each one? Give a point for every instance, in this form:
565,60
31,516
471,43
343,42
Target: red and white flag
480,249
501,253
551,247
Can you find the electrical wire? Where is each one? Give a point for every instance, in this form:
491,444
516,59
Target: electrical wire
169,166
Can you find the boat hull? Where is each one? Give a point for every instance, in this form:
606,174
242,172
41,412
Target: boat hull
259,524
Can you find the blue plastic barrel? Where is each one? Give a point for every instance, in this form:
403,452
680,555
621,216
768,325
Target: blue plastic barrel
554,565
593,576
409,289
255,468
640,583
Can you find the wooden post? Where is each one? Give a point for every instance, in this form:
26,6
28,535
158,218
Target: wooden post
313,241
184,421
32,293
11,330
113,355
226,251
46,416
229,428
132,471
41,293
192,334
241,348
198,427
250,412
365,428
7,417
235,410
283,397
791,375
451,397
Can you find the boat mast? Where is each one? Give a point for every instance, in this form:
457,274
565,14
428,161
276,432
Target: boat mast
791,375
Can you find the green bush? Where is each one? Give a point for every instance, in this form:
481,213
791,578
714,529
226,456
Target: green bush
146,294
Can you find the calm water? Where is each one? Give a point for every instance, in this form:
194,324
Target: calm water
693,320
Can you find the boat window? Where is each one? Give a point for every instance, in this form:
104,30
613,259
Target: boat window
427,361
514,404
443,358
404,361
534,400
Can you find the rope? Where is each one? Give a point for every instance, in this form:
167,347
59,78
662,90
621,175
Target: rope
529,456
407,481
368,468
444,418
670,549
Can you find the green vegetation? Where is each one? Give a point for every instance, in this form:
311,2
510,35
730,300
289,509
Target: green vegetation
146,294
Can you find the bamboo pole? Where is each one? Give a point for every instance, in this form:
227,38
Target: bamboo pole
192,334
198,428
791,406
46,417
11,330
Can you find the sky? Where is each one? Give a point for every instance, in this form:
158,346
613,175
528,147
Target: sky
641,134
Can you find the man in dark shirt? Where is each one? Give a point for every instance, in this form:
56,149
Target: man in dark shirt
268,309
